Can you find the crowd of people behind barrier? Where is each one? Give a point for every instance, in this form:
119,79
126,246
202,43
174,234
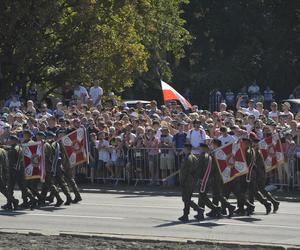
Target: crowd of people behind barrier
143,143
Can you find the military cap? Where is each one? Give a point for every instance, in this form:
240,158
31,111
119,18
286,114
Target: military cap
13,138
188,145
217,142
50,134
61,131
41,133
27,131
203,145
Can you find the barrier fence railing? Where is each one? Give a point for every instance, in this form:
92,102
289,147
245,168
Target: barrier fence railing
152,166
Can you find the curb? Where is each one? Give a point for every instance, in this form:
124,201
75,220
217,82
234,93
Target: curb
163,193
153,239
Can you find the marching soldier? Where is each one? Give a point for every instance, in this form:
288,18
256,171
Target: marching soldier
48,185
203,173
249,181
258,178
16,175
217,183
57,169
68,171
3,172
188,180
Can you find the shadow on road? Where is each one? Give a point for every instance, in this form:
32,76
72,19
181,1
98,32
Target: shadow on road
247,219
206,224
11,213
50,208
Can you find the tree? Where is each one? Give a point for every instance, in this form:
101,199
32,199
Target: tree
49,42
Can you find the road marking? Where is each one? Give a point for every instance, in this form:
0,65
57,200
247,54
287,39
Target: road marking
63,215
161,207
256,225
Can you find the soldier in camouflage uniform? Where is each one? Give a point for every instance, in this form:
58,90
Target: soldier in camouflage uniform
188,181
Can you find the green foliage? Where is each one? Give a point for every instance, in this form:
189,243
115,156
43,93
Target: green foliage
237,42
49,42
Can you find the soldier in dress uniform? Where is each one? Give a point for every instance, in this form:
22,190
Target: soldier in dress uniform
258,177
69,172
217,183
48,185
16,176
251,177
57,168
31,184
3,172
203,174
188,181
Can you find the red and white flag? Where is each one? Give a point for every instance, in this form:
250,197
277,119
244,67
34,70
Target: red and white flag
171,94
34,161
75,146
231,161
272,151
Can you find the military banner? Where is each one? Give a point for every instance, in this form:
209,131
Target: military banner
34,161
272,151
231,161
75,146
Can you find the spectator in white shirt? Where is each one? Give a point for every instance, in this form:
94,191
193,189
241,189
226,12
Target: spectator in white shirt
286,109
250,110
96,92
274,113
225,138
81,93
196,136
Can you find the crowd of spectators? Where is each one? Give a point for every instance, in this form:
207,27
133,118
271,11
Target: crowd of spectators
147,136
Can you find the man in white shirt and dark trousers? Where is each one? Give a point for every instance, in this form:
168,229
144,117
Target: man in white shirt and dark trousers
250,110
96,92
196,136
225,138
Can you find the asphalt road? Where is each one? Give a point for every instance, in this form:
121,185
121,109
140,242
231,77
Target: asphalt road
154,217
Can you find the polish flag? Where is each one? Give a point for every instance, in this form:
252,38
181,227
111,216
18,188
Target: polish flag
170,94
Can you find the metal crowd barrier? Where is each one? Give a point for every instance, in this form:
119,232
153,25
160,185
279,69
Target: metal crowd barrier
151,166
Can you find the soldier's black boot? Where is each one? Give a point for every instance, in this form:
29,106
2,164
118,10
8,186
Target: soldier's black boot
77,199
275,206
59,202
15,204
33,203
215,213
268,207
199,216
25,204
7,206
231,209
69,200
184,218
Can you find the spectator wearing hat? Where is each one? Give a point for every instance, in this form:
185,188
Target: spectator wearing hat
30,109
